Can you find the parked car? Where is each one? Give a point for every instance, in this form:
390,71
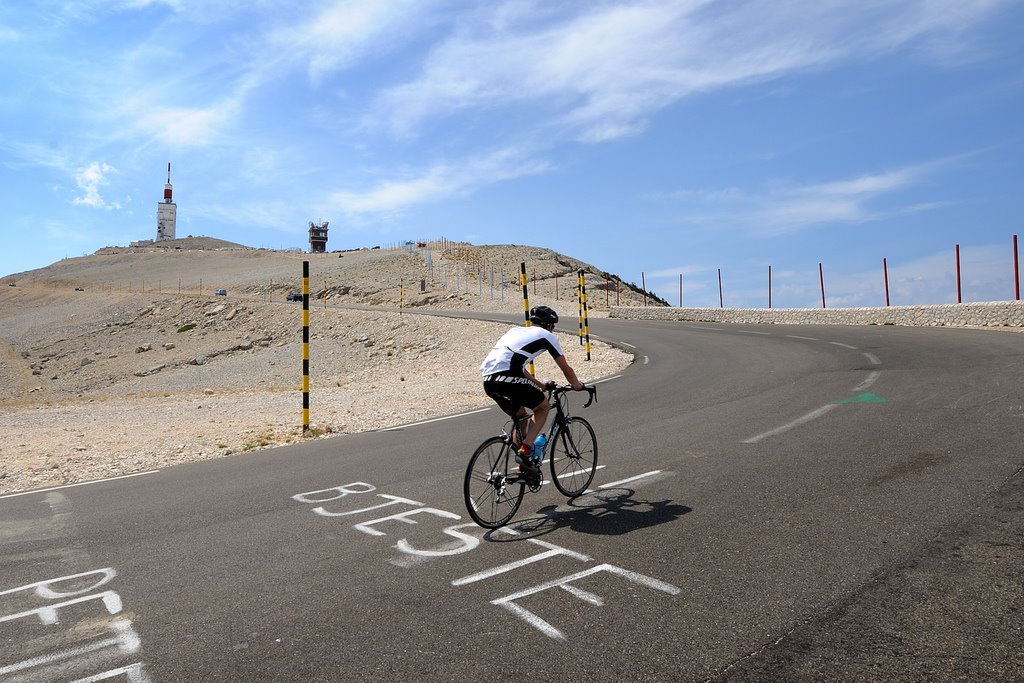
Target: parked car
11,284
79,289
221,292
294,296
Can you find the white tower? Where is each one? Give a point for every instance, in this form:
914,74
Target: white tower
166,213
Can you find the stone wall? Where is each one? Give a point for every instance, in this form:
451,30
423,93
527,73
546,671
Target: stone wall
988,314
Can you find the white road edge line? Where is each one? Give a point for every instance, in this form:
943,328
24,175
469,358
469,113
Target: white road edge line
814,414
871,379
845,346
81,483
753,332
629,345
626,481
436,419
794,336
606,379
873,359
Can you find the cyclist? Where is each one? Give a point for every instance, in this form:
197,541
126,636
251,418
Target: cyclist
513,388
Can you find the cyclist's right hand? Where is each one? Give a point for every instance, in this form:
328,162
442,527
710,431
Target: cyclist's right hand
550,385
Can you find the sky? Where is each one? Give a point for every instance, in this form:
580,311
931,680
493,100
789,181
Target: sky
656,140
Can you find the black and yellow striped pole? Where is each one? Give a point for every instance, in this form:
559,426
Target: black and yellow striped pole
305,346
586,316
526,303
579,301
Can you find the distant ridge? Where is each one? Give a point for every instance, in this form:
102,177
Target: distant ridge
199,243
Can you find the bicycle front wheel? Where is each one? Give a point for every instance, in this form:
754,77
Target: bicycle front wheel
492,490
573,456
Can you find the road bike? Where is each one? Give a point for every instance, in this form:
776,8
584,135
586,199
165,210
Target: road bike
494,487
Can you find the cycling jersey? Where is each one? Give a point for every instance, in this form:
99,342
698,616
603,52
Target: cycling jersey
516,348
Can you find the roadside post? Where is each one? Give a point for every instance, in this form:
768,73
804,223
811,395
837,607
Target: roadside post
586,320
305,346
526,302
579,301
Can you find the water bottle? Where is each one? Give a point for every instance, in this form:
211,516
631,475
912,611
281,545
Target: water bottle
538,449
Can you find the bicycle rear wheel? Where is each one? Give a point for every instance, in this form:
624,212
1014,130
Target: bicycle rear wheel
492,490
573,456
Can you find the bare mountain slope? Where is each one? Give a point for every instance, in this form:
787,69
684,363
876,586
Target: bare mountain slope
127,374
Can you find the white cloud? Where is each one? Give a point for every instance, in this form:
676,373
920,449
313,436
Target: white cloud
187,126
348,30
440,181
606,69
89,180
793,208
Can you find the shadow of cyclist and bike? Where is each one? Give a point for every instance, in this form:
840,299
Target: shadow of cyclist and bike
609,512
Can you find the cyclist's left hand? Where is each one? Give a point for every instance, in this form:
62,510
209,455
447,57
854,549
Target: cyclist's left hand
550,385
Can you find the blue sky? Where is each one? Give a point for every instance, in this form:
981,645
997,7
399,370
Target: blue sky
654,138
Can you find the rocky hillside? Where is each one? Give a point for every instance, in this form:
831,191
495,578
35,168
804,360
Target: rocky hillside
107,367
439,274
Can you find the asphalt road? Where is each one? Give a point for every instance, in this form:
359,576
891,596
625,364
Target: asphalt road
775,503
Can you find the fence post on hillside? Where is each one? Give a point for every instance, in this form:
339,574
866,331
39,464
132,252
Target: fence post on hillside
769,286
959,298
885,274
721,297
643,286
680,290
1016,270
821,279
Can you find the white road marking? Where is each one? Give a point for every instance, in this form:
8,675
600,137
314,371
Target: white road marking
794,336
629,345
753,332
845,346
814,414
626,481
436,419
871,379
81,483
872,358
552,551
606,379
698,327
646,360
509,601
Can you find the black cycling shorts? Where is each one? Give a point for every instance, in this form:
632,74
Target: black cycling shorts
512,393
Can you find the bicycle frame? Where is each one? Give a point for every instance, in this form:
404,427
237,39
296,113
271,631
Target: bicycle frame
556,397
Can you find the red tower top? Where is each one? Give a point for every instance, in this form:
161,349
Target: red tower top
167,187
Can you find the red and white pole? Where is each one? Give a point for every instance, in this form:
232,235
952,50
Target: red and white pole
1016,270
821,278
959,298
885,273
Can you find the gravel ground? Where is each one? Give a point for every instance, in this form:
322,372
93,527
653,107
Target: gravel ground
107,381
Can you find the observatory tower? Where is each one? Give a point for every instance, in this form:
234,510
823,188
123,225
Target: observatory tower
166,212
318,237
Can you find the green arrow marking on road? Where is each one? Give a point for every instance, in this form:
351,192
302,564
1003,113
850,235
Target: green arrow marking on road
867,397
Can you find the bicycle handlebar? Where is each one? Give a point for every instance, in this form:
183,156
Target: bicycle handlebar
592,390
